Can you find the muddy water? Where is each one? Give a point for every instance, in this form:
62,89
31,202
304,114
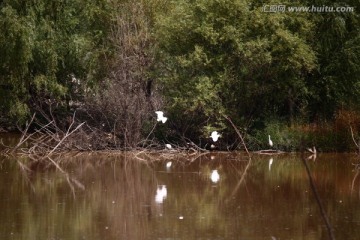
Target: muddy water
212,196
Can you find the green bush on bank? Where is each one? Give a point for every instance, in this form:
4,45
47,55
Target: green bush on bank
326,136
199,61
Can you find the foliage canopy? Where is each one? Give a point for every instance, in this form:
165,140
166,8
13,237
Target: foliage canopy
207,58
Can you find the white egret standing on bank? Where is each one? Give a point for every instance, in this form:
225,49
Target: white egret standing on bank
215,136
270,142
160,116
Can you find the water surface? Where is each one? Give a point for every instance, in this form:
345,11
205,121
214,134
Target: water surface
211,196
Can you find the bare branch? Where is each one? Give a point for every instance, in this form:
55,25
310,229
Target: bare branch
238,133
353,138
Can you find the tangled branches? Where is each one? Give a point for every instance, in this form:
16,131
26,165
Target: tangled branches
46,139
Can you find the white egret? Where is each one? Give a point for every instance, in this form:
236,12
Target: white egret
168,146
160,116
215,136
313,150
215,176
270,142
168,164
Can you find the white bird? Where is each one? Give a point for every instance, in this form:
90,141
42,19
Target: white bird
168,146
215,177
215,136
313,150
160,116
270,142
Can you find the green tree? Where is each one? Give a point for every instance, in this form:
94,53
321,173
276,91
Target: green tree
47,49
336,81
229,57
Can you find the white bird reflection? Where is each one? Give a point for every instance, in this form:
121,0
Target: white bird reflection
312,157
270,163
215,177
161,193
313,153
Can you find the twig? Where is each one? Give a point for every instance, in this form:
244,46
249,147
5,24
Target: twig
238,133
24,133
353,181
66,135
353,138
194,145
150,133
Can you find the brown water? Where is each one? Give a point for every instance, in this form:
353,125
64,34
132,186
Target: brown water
107,196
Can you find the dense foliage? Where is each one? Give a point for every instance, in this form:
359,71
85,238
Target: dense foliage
48,48
201,61
232,58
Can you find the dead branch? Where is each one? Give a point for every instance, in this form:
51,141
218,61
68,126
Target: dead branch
353,138
68,133
24,136
238,133
269,152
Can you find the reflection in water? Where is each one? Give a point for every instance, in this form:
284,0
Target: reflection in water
215,177
270,163
318,200
312,157
124,198
161,193
168,165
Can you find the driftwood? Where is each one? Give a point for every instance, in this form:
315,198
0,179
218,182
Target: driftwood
269,152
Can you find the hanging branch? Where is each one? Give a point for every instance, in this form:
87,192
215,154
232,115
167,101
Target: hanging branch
238,133
353,138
